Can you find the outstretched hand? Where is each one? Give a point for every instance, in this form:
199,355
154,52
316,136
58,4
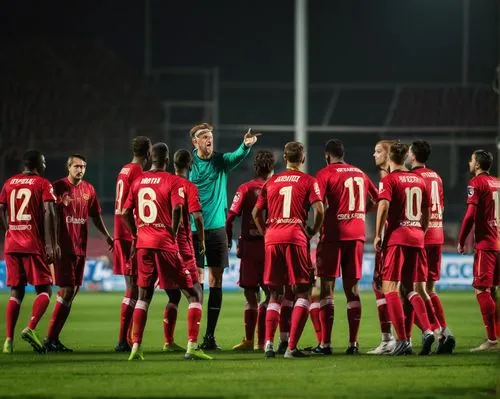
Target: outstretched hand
250,138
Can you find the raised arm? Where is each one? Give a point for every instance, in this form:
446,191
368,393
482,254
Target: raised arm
233,159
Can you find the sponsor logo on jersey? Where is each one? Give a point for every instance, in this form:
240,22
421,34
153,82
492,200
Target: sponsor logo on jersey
73,220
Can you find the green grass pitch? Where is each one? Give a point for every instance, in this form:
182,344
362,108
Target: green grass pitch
95,370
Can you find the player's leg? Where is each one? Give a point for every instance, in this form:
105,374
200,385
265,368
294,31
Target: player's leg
495,295
393,260
261,319
170,320
149,268
124,265
327,269
413,281
272,318
217,260
16,280
484,274
39,275
387,342
352,263
40,305
299,274
287,302
314,311
249,318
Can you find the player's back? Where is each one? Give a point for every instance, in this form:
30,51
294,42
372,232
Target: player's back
484,192
434,185
250,192
24,196
289,195
408,197
346,189
155,194
128,173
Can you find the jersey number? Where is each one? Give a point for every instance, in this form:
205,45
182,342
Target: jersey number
413,197
436,202
147,203
25,195
349,183
286,192
119,196
495,201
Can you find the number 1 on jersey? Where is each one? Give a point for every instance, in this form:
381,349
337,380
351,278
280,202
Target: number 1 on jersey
286,192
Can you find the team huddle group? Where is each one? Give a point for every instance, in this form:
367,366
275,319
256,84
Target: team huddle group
168,227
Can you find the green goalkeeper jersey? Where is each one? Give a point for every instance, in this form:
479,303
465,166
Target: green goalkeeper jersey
210,176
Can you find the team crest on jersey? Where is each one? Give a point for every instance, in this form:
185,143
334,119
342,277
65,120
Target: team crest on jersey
470,191
86,197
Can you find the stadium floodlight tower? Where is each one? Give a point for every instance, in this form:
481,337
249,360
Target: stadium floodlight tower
301,81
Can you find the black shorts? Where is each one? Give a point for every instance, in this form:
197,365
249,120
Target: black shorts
216,248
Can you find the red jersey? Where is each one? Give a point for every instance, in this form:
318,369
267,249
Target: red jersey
346,189
288,197
407,194
153,196
23,196
243,202
74,206
191,204
434,186
126,177
483,191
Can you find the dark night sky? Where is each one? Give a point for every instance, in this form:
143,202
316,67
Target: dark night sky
350,40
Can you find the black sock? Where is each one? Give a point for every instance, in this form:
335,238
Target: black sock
214,305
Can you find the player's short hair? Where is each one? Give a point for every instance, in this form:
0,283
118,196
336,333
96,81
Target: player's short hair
397,153
335,147
72,157
183,159
198,127
32,159
386,144
294,151
422,150
159,153
484,158
264,162
141,146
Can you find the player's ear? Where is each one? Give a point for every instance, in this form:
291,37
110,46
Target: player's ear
303,159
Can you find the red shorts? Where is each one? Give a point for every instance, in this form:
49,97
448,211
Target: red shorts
189,264
122,263
69,270
286,264
434,255
340,258
486,266
167,267
406,264
252,257
27,268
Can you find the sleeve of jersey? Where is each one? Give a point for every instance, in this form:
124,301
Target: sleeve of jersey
129,202
3,196
48,192
385,189
314,192
177,196
262,198
233,159
472,193
95,207
194,203
238,199
322,182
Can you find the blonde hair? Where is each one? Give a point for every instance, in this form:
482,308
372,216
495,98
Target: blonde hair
198,127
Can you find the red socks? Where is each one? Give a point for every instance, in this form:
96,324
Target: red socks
395,309
127,310
272,319
194,317
11,316
326,314
140,317
169,321
299,319
383,313
488,309
438,309
250,317
261,323
314,310
40,305
420,311
59,316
